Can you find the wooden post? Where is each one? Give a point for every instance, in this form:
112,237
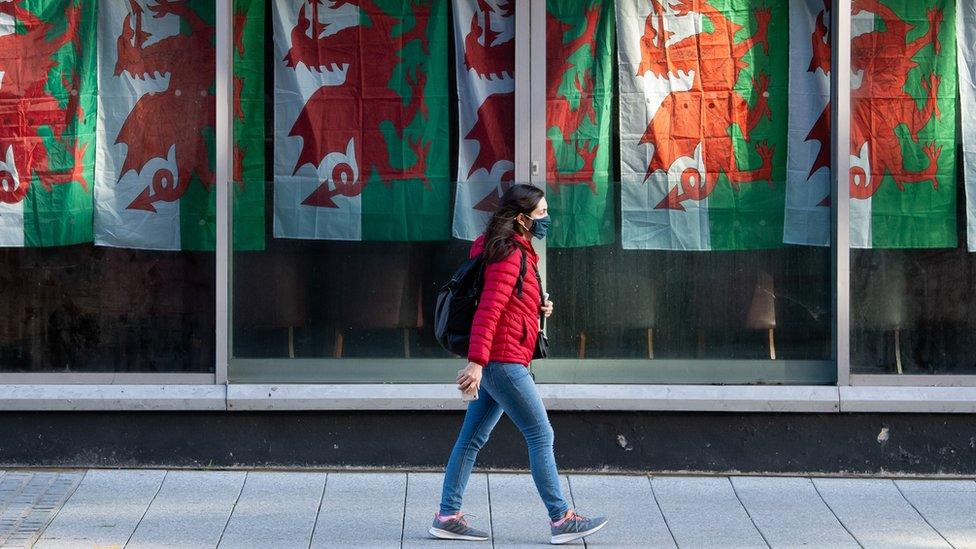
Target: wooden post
898,350
291,342
582,345
772,344
650,343
337,352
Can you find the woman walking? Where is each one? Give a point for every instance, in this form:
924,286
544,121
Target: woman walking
503,338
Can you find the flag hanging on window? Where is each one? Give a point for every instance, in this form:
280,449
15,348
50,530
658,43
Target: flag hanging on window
703,113
966,41
903,116
579,93
47,122
154,182
361,120
248,116
807,216
484,46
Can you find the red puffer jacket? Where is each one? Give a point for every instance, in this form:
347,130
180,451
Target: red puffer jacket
505,325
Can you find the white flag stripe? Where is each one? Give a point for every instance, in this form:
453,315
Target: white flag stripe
861,235
11,215
643,226
293,88
966,60
473,89
114,224
806,220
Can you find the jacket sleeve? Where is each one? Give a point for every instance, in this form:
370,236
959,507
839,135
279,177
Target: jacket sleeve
499,285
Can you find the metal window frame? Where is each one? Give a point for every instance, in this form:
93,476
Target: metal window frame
840,163
530,121
224,21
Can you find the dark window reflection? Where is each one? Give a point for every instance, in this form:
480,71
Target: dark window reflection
93,309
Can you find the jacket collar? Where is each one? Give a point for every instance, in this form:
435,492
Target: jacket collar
526,244
479,245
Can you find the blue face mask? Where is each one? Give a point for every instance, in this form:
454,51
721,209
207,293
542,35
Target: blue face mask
540,227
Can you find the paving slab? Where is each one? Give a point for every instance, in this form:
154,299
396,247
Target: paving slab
789,512
877,515
11,485
635,520
104,510
704,512
190,511
275,510
30,510
361,510
949,506
423,500
518,516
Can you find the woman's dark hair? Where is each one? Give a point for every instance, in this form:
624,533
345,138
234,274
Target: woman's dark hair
518,199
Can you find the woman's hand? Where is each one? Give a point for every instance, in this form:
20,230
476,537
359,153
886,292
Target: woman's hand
547,308
469,380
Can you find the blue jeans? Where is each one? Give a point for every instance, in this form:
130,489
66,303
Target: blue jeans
505,387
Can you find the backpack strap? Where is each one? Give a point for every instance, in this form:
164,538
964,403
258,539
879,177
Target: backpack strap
521,275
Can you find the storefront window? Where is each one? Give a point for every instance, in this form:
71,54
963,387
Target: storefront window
357,229
911,273
684,248
708,245
106,186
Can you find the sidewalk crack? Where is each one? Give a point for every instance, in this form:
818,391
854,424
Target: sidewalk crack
748,514
831,509
403,517
146,511
920,514
659,510
491,526
232,508
318,512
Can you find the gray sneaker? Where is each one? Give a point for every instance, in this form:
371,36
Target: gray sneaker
575,527
456,528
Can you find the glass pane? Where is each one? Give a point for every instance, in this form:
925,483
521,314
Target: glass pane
683,248
911,273
682,228
350,216
106,186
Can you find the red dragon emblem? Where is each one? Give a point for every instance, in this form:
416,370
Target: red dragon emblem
172,119
703,115
820,60
29,111
560,111
354,118
495,128
880,103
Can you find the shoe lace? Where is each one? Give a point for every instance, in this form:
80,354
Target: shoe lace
460,518
578,517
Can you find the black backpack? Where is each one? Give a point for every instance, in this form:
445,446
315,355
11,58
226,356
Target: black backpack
457,302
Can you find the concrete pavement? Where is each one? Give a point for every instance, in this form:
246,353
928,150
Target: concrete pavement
275,509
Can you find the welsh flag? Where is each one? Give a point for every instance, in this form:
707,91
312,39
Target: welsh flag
484,46
703,112
47,121
361,120
154,179
966,33
579,81
249,125
807,216
903,112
